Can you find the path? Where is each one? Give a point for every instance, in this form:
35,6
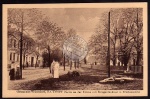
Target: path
40,79
32,76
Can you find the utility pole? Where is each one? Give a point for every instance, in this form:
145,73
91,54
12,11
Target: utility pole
21,34
108,45
21,55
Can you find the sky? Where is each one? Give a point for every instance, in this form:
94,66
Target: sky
83,20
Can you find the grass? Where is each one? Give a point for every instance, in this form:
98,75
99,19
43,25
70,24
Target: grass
87,80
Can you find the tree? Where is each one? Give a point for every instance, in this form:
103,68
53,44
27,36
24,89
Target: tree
114,17
126,33
98,45
138,40
24,20
85,61
29,46
129,35
50,36
70,33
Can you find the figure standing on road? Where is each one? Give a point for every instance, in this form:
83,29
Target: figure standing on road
52,68
18,72
12,71
55,68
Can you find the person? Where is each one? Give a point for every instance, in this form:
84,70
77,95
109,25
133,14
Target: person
12,71
52,68
55,68
17,72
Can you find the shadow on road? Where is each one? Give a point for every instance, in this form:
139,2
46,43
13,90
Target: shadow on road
88,77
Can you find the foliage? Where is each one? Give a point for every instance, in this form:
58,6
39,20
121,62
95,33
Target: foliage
125,35
56,54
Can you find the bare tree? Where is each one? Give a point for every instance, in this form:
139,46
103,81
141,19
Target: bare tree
24,20
50,36
71,32
97,45
126,33
139,36
129,34
114,17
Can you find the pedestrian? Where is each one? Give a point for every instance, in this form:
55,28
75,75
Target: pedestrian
17,72
56,68
12,71
52,68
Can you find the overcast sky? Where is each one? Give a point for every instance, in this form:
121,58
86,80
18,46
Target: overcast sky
83,20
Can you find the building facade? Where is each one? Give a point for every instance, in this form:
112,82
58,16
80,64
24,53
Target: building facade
30,56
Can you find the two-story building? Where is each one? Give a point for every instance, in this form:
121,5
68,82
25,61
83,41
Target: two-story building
30,56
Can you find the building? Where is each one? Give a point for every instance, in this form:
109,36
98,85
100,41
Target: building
30,56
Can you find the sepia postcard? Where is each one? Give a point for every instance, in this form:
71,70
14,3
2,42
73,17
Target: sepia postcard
75,50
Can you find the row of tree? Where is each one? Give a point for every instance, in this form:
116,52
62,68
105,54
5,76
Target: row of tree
48,36
126,35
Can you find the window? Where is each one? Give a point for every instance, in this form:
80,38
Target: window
11,41
10,56
26,59
18,57
14,56
14,43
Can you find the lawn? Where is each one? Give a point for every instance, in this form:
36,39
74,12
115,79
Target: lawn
88,80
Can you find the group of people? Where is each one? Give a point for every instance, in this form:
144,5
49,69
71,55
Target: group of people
14,71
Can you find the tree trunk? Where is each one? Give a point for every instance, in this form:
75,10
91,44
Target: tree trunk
78,63
23,60
43,62
64,62
126,60
125,65
138,58
36,61
114,62
71,62
84,60
71,65
49,59
75,64
114,56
